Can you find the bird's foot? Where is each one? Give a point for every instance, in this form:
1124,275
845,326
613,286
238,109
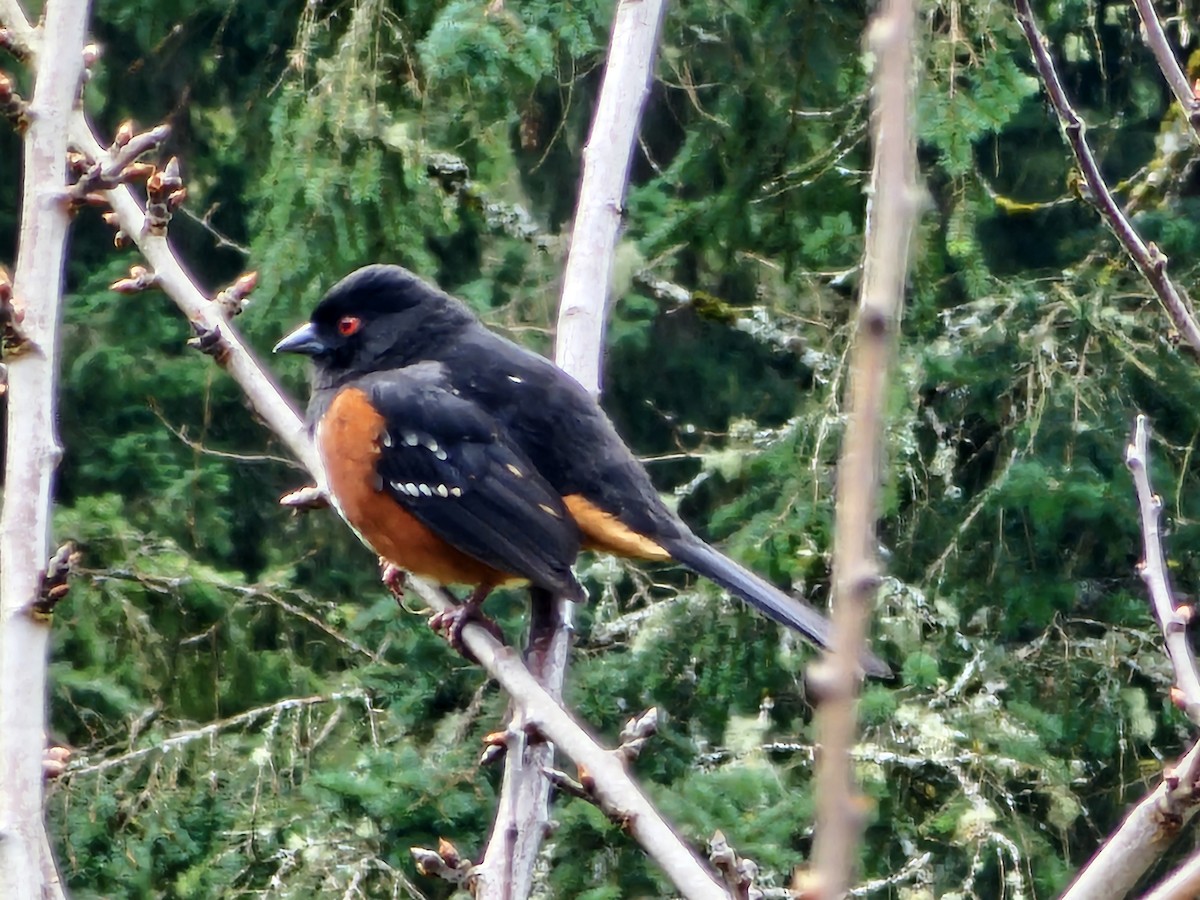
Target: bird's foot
451,622
392,578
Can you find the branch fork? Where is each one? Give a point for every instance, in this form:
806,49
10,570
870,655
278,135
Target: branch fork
120,165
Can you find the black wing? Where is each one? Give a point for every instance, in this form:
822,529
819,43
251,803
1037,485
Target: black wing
452,467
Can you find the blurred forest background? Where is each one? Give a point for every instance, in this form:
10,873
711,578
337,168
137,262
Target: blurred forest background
251,712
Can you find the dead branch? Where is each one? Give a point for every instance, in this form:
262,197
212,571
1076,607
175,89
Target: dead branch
1148,259
1173,618
27,866
183,738
891,218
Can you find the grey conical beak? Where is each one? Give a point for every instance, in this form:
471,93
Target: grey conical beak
303,340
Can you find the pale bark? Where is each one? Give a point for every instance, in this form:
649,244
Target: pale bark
523,813
615,790
890,222
32,455
1145,834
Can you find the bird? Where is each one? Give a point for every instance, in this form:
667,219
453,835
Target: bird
399,366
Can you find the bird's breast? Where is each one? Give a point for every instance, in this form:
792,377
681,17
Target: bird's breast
348,439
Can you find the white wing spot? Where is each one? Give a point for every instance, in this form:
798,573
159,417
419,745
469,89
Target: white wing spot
515,470
410,489
424,489
440,453
387,439
455,492
442,491
431,445
516,379
411,439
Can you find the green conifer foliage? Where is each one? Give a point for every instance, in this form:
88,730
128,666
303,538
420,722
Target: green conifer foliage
253,715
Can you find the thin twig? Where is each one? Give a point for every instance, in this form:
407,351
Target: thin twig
1148,259
1156,39
1172,618
891,218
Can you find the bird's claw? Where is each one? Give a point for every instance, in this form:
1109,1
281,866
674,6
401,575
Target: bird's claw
451,622
392,577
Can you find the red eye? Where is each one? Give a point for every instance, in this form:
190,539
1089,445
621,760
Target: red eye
348,325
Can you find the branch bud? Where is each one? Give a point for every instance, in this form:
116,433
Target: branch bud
233,300
54,761
139,279
124,134
13,108
55,585
13,341
165,193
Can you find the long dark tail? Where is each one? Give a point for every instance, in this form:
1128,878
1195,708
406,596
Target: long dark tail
763,596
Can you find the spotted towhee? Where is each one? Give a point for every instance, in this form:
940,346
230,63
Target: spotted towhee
462,457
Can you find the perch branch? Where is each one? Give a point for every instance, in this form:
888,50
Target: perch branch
1148,259
1172,618
614,789
891,218
540,710
32,453
523,811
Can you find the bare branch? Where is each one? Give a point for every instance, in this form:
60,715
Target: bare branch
32,454
891,218
523,812
1156,39
120,165
1183,884
606,159
1139,841
541,710
613,787
1172,618
1148,259
183,738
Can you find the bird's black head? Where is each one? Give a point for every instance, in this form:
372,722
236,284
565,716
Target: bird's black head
377,316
